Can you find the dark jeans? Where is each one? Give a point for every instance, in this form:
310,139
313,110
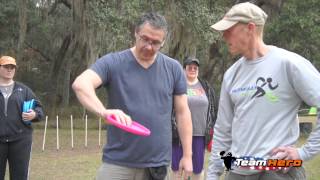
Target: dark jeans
17,153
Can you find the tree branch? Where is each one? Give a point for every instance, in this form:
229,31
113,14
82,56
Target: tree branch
56,3
48,59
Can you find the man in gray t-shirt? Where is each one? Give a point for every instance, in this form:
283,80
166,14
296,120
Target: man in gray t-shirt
259,100
143,85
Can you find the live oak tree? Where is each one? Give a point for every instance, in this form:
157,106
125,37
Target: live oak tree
55,40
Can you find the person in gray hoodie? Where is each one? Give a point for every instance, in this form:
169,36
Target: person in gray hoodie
259,100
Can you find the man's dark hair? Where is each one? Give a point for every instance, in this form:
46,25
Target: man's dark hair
154,19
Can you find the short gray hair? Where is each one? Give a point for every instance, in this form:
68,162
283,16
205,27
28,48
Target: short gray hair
154,19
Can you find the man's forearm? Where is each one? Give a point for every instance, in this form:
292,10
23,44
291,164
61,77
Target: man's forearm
87,97
184,123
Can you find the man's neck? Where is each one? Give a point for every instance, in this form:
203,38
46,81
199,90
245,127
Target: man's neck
256,50
6,82
146,63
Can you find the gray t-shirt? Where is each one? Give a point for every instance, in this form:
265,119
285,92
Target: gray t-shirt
6,92
147,96
198,104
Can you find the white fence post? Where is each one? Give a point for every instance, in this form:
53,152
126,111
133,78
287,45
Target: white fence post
86,131
44,134
100,132
58,145
71,124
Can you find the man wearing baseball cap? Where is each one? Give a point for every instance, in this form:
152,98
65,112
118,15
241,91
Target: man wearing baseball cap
15,125
259,100
5,60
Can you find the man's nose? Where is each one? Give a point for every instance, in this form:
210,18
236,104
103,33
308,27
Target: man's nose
149,45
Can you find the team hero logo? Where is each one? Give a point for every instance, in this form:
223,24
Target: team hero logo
255,163
269,164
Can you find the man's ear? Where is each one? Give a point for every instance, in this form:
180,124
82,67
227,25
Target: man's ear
251,26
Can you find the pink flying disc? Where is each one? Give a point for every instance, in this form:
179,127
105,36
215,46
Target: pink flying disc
135,127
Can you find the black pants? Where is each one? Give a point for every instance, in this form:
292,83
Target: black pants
17,154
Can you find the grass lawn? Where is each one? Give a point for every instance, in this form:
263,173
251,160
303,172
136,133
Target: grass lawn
81,163
78,163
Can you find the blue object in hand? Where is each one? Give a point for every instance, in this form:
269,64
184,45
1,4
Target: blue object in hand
27,105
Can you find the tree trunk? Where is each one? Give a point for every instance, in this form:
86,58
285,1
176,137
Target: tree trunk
57,68
181,41
78,50
66,85
23,27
